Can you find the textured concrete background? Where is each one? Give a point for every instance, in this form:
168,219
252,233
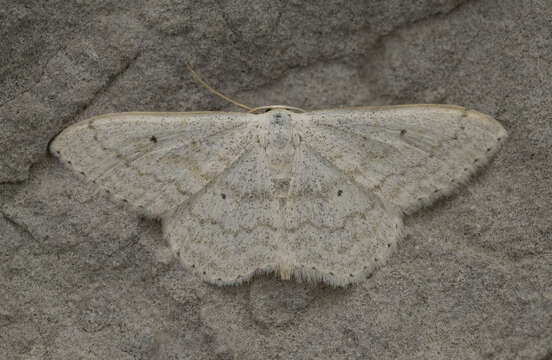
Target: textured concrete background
83,278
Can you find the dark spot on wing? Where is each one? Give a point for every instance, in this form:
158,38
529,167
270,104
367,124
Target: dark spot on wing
281,185
153,139
223,196
339,192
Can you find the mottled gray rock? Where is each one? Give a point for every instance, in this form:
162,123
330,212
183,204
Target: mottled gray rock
82,276
277,303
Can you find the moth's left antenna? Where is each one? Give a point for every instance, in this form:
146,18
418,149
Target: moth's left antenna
219,94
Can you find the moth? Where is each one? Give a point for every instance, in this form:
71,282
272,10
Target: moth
315,196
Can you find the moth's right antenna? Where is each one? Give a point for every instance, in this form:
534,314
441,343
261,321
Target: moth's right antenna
219,94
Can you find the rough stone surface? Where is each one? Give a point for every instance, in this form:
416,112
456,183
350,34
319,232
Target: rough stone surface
83,277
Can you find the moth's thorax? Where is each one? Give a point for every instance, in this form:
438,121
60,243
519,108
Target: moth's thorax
278,136
280,143
278,129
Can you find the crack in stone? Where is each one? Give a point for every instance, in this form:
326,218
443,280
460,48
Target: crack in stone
423,19
547,356
378,43
21,227
131,243
108,84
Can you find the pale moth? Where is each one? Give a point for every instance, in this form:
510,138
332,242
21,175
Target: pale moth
315,196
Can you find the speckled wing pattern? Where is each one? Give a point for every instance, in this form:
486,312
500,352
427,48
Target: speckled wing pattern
408,155
154,161
316,225
317,196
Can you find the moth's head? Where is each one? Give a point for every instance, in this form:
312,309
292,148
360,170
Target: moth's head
277,130
270,108
279,117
